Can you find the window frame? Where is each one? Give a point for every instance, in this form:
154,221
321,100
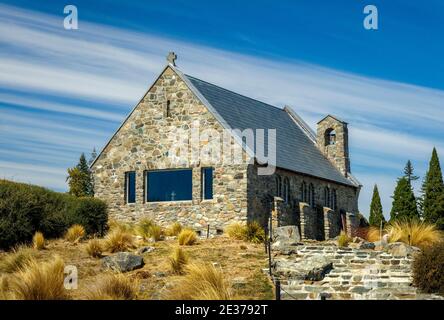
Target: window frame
203,174
146,184
127,187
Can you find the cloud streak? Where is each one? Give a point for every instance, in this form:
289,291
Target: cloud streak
90,78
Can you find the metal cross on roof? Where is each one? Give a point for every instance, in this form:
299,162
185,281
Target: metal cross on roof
171,58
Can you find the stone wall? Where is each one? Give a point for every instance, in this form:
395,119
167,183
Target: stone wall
143,143
355,274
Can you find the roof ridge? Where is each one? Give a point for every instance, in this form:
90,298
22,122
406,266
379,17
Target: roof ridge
236,93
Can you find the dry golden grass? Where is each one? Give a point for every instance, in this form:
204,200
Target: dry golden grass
94,248
343,239
178,260
416,233
174,229
235,230
156,233
374,234
122,226
143,228
117,240
75,233
39,281
16,259
113,287
187,237
251,232
38,241
4,287
201,282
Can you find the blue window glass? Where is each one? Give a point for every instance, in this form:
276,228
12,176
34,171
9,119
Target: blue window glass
207,183
169,185
130,187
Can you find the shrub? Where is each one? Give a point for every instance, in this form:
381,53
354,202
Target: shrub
343,239
94,248
236,230
251,232
75,233
201,282
38,241
413,232
16,259
428,269
254,232
178,260
143,228
113,287
187,237
39,281
118,240
174,229
25,209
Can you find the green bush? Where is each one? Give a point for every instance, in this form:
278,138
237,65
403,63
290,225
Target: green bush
25,209
428,269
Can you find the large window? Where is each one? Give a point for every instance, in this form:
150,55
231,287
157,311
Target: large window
130,187
169,185
207,183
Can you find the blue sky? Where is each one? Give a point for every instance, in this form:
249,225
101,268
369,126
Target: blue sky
62,92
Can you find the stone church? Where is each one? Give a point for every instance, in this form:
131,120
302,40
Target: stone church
311,185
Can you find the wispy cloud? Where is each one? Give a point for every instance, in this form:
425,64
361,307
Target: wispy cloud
93,76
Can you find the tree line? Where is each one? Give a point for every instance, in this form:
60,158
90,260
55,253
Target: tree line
428,206
80,178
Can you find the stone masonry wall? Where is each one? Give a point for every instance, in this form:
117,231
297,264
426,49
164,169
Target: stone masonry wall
143,143
356,274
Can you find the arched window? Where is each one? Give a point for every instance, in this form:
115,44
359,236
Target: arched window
278,186
304,194
327,197
286,190
311,195
168,109
334,200
330,137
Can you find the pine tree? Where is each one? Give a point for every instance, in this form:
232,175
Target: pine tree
408,172
376,215
404,202
80,179
433,193
93,156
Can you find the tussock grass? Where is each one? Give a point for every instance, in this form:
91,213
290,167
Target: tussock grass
39,281
178,260
4,287
16,259
94,248
117,240
156,233
143,228
343,239
201,282
174,229
113,287
374,234
75,233
251,232
416,233
122,226
38,241
187,237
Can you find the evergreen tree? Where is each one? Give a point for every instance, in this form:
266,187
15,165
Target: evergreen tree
80,179
404,202
376,215
433,193
93,156
408,172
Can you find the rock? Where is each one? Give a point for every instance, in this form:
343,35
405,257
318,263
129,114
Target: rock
367,245
145,249
313,268
123,262
239,282
400,249
286,234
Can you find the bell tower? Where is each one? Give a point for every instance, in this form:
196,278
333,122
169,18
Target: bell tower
332,140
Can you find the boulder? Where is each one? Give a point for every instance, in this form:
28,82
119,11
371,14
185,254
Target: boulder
145,249
313,268
123,262
367,245
286,234
400,249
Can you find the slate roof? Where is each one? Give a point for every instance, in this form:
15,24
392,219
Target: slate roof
295,150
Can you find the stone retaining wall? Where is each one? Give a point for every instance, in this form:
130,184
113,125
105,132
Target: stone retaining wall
356,274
